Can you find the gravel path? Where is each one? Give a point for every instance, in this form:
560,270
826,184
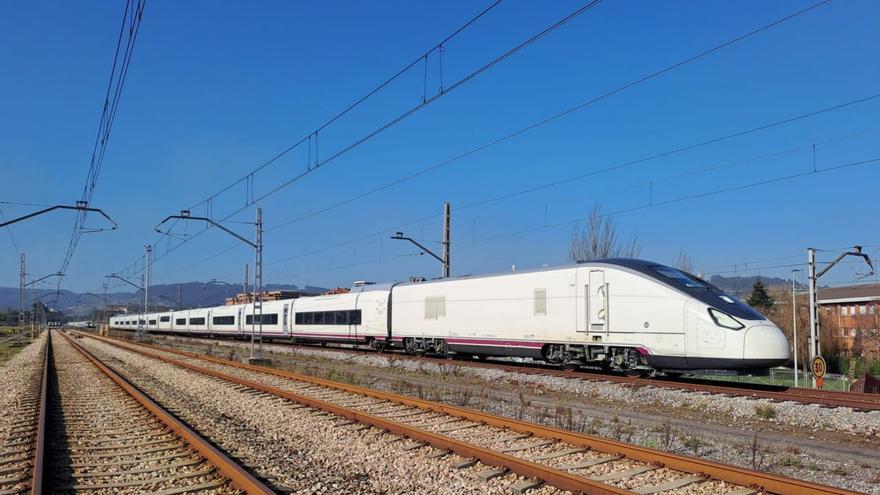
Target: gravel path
20,379
100,440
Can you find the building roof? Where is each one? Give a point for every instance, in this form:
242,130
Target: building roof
850,293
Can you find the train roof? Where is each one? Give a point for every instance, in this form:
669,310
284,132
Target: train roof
702,290
631,263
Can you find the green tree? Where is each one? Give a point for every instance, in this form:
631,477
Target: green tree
760,298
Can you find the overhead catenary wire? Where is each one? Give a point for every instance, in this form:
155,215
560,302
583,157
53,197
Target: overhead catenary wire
573,109
690,197
128,31
375,132
9,231
655,180
683,198
583,105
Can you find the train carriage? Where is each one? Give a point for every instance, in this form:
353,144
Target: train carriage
356,317
225,320
615,313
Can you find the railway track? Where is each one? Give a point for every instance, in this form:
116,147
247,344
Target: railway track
18,453
94,432
825,398
544,455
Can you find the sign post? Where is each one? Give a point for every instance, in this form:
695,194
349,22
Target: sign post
818,367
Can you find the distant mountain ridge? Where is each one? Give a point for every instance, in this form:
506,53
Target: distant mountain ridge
193,294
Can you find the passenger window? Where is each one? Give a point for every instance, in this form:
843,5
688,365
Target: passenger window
298,319
342,317
354,317
309,318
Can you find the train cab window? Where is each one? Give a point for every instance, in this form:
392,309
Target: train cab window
723,319
180,321
223,320
679,276
164,319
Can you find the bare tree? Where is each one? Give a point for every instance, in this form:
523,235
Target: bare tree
597,238
684,263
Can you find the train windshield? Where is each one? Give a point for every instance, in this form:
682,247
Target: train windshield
680,277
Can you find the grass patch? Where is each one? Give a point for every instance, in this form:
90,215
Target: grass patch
765,412
8,351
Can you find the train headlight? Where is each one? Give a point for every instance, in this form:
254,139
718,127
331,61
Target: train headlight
723,319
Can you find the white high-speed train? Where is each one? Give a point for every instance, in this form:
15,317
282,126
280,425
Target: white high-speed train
615,313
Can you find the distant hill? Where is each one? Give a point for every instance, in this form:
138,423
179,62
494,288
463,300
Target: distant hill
193,294
742,286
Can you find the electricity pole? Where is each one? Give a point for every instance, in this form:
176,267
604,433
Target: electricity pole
149,254
258,283
21,277
142,319
444,260
794,325
147,280
245,284
815,347
106,303
179,297
814,324
258,272
446,238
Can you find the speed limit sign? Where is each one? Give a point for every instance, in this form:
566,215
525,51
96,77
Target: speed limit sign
818,367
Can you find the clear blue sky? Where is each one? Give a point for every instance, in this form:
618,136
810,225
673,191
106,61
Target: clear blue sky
216,88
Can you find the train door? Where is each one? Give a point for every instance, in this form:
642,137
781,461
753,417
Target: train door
284,319
597,302
353,324
240,320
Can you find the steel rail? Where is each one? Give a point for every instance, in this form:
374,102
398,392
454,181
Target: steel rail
40,443
240,478
732,474
555,477
829,398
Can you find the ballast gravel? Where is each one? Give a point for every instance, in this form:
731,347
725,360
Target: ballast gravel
810,416
813,416
298,449
20,379
860,474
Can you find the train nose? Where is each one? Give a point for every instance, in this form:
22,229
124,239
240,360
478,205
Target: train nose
766,344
